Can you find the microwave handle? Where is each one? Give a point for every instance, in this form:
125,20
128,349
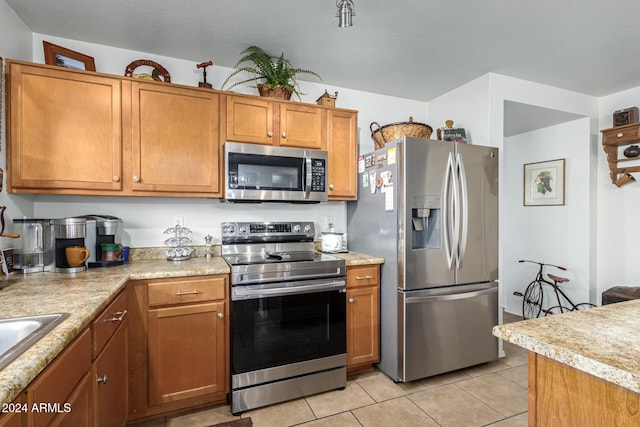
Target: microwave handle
308,177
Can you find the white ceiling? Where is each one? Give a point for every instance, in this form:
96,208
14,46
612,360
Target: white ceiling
415,49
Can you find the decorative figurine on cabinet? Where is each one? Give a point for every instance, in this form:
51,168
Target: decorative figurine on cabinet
327,100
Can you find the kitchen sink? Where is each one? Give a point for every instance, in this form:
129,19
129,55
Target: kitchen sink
17,334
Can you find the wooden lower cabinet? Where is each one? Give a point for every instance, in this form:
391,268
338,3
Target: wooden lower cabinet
110,382
179,345
560,395
80,405
363,317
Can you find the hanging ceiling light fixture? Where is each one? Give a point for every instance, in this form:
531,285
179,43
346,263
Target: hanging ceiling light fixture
345,12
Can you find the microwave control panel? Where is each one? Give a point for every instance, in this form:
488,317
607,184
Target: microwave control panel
318,175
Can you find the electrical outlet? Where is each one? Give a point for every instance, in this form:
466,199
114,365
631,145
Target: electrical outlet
179,220
329,221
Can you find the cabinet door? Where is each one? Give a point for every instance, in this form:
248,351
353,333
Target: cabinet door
110,381
363,326
250,119
78,409
174,136
64,130
186,347
342,146
302,126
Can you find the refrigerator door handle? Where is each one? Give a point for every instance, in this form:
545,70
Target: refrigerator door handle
464,211
446,211
451,297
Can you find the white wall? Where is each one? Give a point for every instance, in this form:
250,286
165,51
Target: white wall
618,209
550,234
145,219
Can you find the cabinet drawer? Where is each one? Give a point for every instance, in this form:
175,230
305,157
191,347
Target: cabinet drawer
622,135
60,378
186,291
108,322
364,275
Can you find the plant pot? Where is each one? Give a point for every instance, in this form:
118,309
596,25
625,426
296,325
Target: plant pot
279,92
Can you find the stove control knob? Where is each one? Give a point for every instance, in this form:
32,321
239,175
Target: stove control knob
228,229
243,229
296,228
307,228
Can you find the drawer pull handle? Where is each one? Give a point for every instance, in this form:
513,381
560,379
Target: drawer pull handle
102,380
367,277
620,135
352,301
118,316
193,292
220,315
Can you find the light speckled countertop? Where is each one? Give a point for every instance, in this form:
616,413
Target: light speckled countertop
603,341
83,295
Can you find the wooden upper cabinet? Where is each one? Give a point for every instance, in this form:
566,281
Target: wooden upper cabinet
269,122
250,119
174,140
342,146
64,130
302,126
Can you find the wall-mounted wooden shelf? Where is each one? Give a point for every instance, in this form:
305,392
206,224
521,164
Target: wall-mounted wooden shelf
612,139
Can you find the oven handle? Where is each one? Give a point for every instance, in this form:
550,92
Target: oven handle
259,291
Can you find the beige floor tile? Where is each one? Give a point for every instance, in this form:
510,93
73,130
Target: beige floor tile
500,393
486,368
344,419
202,418
451,405
515,355
282,414
517,374
156,422
334,402
520,420
396,412
380,387
443,379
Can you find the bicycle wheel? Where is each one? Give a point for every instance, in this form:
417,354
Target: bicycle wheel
532,300
584,306
556,309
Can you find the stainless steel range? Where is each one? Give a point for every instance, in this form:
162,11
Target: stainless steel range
288,313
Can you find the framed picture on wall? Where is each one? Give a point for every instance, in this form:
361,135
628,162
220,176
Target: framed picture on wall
544,183
63,57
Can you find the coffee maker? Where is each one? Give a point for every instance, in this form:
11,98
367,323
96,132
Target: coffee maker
34,248
66,232
102,229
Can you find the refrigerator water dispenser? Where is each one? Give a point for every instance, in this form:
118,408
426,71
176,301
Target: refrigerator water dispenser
425,223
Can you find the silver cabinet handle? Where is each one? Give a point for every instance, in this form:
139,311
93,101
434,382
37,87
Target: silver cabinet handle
367,277
284,134
220,315
270,133
118,316
330,186
620,134
115,178
102,379
352,301
193,292
136,178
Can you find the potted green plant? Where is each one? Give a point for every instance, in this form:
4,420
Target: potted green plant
277,75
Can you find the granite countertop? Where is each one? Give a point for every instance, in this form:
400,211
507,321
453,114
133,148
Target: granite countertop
603,341
83,295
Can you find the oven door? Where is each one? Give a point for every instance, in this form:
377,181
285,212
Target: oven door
284,325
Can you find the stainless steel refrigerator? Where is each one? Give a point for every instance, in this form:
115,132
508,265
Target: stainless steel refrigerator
430,209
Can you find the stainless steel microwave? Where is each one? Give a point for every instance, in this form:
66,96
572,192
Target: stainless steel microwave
265,173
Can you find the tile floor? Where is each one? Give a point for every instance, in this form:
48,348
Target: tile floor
491,394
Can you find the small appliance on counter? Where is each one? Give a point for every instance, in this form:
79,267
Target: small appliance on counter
67,232
34,248
333,242
104,240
